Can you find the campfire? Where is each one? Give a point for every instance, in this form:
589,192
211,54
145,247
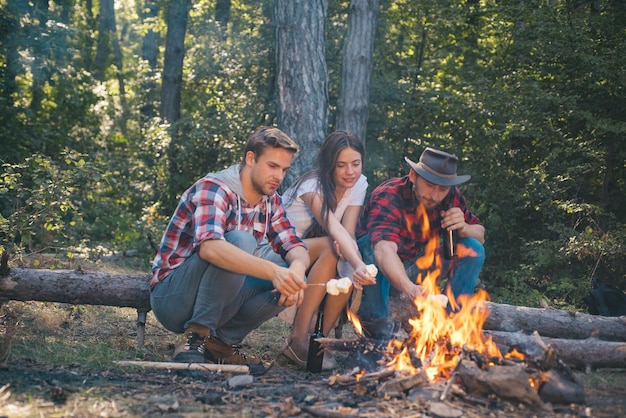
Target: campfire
445,345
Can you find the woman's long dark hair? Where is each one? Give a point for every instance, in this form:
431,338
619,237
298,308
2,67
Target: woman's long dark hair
325,163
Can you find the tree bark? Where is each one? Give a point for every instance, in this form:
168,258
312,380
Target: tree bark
149,52
302,77
77,287
172,80
356,68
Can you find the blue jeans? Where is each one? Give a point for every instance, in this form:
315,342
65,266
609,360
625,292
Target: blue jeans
375,300
230,305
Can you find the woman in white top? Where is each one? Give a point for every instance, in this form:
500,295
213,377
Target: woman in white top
324,205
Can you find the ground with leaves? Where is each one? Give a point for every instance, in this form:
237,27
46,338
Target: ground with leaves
60,360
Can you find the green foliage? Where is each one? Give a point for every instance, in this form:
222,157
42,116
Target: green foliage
530,95
38,208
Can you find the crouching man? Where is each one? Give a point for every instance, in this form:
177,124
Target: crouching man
206,284
390,236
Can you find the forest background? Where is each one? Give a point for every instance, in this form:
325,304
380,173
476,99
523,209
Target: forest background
109,110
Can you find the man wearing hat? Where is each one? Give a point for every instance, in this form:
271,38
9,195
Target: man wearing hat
390,235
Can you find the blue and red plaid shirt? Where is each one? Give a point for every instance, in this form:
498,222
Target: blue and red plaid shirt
209,209
391,214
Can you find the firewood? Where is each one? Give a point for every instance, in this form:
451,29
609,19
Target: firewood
401,384
355,377
575,353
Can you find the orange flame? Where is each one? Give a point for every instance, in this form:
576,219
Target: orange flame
437,337
356,323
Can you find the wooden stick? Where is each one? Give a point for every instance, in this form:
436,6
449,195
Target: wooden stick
204,367
450,382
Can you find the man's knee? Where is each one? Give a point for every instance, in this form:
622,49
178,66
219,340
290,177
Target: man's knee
242,240
477,250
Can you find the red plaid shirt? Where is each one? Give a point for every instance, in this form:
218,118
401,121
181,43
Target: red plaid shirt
209,209
390,215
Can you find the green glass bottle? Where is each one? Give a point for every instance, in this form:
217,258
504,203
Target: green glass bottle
315,356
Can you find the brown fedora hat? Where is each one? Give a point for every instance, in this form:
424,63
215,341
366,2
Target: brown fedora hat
438,167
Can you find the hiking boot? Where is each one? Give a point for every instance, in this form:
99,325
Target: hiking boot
381,328
191,349
219,352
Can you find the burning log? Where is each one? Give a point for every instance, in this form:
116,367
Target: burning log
553,323
590,352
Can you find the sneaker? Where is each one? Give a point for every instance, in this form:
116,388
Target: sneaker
217,351
191,349
381,328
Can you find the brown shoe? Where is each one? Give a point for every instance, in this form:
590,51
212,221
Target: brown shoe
217,351
191,348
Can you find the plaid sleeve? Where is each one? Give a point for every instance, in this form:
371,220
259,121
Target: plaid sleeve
458,200
281,233
384,219
209,204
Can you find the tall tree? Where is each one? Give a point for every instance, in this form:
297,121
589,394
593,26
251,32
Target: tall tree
302,77
149,52
171,87
109,43
177,15
356,68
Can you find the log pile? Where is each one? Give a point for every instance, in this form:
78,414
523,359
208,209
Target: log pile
581,340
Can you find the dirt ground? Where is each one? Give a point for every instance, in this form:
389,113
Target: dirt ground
281,392
31,388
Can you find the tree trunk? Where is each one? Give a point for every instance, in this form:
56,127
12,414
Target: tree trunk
77,287
356,68
39,69
12,48
172,81
149,52
302,77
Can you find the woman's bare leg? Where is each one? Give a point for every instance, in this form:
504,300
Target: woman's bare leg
323,268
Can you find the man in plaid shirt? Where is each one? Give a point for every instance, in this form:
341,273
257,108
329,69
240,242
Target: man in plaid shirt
390,235
206,283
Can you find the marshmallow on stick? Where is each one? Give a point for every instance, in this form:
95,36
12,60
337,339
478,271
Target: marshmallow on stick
439,299
372,271
335,287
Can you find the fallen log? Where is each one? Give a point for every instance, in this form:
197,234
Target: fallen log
581,354
77,287
80,287
132,290
553,323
